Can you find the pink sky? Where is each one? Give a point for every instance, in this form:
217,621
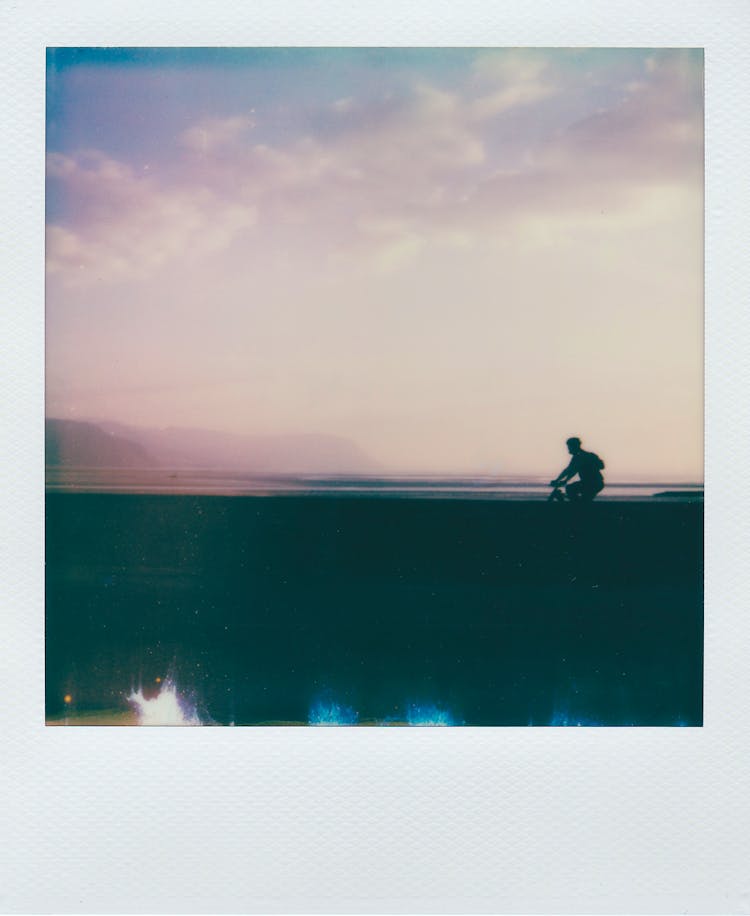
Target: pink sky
457,259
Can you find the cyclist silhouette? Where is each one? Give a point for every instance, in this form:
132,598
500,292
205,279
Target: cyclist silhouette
588,467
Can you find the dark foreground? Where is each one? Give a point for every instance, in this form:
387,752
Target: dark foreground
265,609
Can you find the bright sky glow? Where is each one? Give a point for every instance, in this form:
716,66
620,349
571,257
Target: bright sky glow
456,258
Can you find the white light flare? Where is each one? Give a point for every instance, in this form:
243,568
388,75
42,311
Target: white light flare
166,708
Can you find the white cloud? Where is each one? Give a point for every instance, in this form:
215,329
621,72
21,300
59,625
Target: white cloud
509,80
343,106
212,134
129,225
511,65
489,106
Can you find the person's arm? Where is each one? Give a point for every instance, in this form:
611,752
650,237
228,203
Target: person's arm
569,471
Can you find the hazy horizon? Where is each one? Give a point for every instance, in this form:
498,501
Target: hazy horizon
453,258
378,472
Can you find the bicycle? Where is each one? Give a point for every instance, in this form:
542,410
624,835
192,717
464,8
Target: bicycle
557,495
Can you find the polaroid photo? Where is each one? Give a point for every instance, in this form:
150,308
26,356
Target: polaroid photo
371,363
321,324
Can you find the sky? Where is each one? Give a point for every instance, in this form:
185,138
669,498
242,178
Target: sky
457,258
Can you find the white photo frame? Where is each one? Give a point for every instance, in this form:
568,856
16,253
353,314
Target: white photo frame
377,820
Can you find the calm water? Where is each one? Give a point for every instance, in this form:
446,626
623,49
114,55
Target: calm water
115,480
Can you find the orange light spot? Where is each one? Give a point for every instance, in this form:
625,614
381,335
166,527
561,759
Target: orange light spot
68,698
158,680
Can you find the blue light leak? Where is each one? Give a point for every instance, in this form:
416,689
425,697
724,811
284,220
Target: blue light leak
566,719
330,713
428,715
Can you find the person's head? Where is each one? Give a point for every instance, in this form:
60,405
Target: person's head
574,445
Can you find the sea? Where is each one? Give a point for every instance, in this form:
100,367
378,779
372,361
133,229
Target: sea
239,483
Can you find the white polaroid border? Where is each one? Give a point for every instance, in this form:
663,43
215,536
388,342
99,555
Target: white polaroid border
504,820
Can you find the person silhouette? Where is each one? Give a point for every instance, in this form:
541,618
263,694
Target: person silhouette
588,467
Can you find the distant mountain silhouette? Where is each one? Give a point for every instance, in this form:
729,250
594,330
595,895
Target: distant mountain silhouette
73,443
175,447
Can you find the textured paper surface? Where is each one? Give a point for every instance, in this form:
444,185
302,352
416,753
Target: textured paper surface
376,820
